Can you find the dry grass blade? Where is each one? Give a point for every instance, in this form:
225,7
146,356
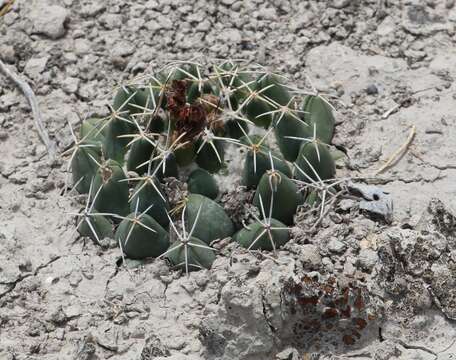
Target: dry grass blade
31,98
397,155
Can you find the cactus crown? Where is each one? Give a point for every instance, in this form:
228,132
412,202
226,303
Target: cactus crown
184,122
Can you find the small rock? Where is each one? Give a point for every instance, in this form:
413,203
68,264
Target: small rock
70,85
8,53
59,334
372,89
232,36
153,349
310,256
349,269
367,259
58,317
340,4
336,246
35,67
138,333
121,49
3,135
288,354
74,279
346,204
49,20
93,9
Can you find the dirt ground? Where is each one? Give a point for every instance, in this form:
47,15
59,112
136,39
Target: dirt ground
390,63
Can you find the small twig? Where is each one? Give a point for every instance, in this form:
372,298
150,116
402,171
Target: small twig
413,347
390,111
37,116
399,152
328,208
438,304
6,6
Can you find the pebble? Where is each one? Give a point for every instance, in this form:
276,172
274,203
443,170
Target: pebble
35,66
336,246
122,49
340,4
70,85
367,259
310,256
372,89
49,20
8,53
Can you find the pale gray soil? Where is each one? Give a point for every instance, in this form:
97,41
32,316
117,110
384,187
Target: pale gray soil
67,299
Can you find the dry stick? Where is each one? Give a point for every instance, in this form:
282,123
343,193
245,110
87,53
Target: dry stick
37,116
6,6
390,111
398,152
413,347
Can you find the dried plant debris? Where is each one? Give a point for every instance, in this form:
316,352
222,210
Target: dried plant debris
323,309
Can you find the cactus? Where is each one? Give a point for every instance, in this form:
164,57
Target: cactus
266,234
188,252
259,159
198,255
148,194
112,190
93,132
213,224
93,224
140,236
317,113
315,162
184,122
203,183
276,187
84,168
259,236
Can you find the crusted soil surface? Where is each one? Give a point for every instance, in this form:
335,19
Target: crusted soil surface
359,286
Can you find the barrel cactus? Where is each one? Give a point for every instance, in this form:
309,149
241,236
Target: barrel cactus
186,121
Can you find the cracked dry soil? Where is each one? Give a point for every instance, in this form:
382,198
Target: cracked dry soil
354,288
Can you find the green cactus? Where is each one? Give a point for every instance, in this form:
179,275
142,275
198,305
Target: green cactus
279,194
259,159
185,155
258,109
319,114
166,167
140,236
233,128
84,168
93,132
196,252
125,100
202,182
140,153
314,163
96,227
197,89
183,122
149,197
274,89
213,222
262,236
112,189
210,155
288,124
114,145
